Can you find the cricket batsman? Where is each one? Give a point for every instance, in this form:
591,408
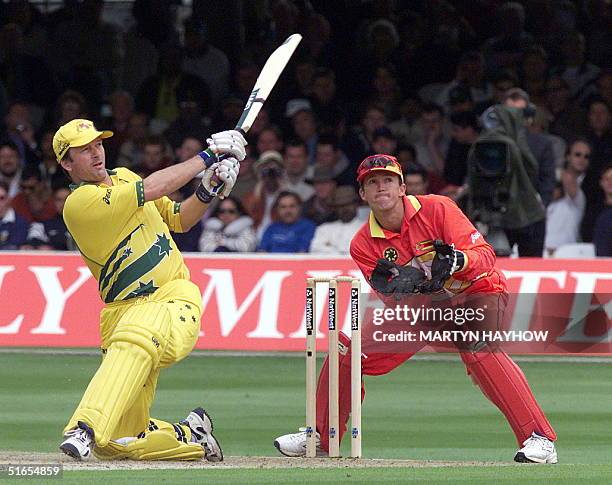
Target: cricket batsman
151,319
426,245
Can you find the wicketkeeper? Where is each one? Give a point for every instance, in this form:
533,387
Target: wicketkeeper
426,245
151,319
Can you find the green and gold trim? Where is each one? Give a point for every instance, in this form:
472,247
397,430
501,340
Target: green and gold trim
140,194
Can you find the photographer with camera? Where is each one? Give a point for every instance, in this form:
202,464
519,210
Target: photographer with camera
271,181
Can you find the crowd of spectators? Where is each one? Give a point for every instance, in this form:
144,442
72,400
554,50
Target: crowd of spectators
407,78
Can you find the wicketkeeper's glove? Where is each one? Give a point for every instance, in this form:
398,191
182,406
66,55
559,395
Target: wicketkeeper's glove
447,261
392,279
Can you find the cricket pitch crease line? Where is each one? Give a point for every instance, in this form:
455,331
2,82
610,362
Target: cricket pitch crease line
232,462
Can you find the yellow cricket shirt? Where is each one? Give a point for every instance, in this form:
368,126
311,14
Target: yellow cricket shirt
125,241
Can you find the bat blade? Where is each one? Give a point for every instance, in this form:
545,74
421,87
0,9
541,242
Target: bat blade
268,76
266,81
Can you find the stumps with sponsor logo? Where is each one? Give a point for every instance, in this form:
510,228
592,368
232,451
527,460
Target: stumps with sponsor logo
333,353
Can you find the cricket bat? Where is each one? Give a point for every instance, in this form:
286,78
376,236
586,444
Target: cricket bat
266,80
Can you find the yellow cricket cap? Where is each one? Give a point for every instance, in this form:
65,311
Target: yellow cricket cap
76,133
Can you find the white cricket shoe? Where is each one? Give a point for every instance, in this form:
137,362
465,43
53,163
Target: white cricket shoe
201,427
537,449
78,442
294,444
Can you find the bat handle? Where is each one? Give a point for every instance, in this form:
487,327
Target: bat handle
216,181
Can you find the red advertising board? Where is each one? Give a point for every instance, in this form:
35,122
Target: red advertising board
255,302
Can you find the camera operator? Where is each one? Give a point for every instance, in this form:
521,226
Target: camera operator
503,175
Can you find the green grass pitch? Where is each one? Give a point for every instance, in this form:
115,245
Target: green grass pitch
425,410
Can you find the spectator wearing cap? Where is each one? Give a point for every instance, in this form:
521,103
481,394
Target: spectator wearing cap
10,167
464,132
13,227
318,208
335,237
539,144
384,141
271,181
34,203
331,158
291,233
296,168
432,145
304,124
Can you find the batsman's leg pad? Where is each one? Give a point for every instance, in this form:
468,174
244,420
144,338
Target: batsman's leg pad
505,385
134,351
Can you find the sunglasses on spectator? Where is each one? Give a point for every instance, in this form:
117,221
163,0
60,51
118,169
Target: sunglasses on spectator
580,154
228,211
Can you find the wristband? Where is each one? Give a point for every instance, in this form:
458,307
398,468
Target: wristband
203,195
208,157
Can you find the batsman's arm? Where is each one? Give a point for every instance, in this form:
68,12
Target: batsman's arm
192,210
165,181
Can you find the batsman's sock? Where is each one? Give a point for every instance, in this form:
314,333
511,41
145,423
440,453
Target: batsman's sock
504,383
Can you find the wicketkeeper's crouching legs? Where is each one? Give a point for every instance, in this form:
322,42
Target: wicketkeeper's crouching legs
140,338
498,377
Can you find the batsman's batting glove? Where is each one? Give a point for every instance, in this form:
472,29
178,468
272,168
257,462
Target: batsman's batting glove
392,279
230,143
447,261
226,171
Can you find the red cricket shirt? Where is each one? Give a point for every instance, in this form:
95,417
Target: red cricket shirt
427,218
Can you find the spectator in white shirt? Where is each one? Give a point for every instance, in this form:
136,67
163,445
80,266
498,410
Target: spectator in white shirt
229,229
335,237
565,212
